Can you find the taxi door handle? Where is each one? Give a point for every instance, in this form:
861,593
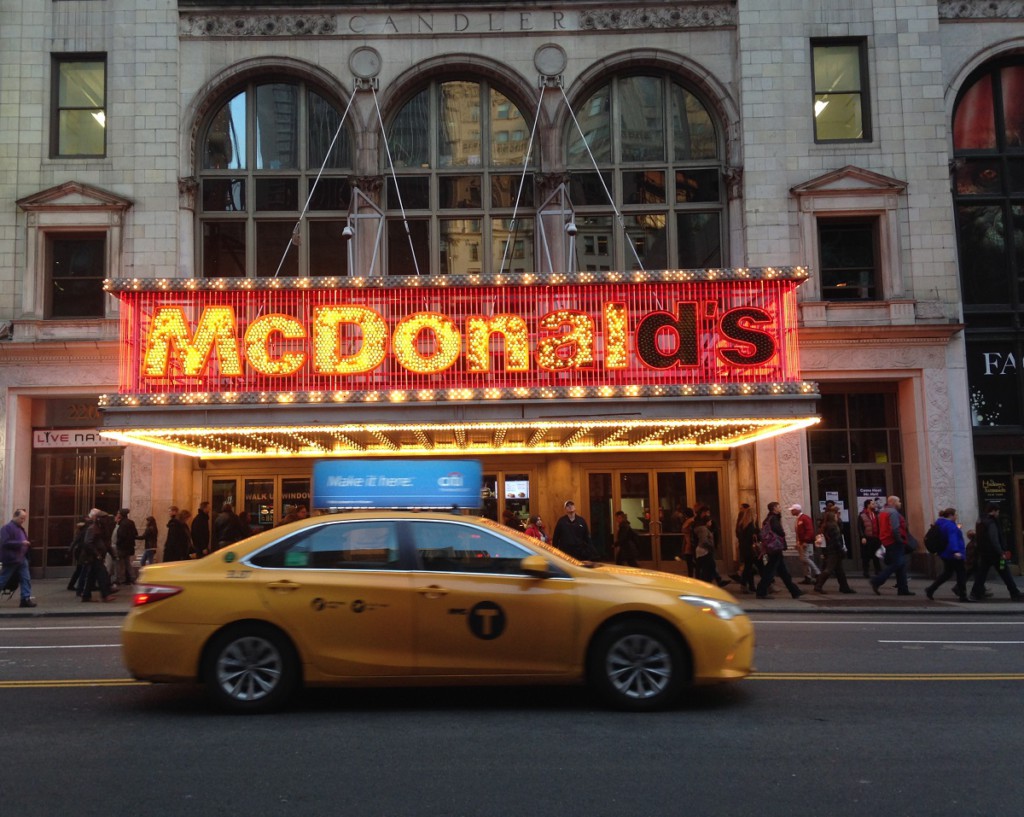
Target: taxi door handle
432,592
284,586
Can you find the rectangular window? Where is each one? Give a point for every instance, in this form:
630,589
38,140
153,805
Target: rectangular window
849,259
840,90
77,269
79,106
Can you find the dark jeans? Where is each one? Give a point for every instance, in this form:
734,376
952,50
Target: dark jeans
706,569
895,562
833,567
951,567
985,561
776,566
867,554
97,576
751,568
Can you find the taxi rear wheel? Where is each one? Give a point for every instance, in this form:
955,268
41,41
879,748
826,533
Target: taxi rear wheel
251,668
638,665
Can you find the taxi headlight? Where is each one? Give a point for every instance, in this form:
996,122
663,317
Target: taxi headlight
724,610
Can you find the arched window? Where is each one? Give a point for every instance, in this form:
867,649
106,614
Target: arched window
458,148
988,142
260,153
658,151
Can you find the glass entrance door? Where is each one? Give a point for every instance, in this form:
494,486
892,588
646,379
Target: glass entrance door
653,501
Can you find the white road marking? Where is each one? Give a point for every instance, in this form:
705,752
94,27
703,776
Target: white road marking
60,647
881,641
37,629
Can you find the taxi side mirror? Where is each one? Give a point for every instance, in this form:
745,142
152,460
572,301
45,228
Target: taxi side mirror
535,566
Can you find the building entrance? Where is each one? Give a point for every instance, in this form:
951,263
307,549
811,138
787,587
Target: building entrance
653,501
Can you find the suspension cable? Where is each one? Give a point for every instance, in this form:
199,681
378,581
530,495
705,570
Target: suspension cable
618,216
305,209
394,176
522,181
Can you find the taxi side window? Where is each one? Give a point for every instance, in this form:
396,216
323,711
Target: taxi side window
338,546
454,548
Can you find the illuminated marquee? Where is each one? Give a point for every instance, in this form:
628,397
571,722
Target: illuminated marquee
303,336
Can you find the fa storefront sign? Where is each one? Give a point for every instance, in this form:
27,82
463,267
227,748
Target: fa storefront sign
445,484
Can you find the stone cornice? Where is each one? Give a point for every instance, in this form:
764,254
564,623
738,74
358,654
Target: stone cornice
981,9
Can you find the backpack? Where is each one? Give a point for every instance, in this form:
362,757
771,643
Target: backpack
771,542
934,540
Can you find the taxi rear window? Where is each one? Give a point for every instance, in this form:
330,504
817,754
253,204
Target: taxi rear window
337,546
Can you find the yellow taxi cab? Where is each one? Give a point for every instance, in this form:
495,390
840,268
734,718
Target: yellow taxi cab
405,598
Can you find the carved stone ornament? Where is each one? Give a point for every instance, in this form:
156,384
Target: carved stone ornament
711,15
256,25
981,9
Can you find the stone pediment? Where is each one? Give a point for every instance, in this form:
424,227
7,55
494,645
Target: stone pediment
849,179
74,196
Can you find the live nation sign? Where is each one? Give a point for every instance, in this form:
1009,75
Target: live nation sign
304,335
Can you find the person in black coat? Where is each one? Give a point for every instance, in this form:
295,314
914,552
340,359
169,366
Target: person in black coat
177,543
201,530
125,536
572,536
227,529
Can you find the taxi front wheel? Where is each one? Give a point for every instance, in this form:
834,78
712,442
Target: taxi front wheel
638,665
251,668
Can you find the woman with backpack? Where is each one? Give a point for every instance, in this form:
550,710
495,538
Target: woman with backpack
953,556
773,545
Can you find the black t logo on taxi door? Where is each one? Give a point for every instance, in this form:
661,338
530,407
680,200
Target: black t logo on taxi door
486,620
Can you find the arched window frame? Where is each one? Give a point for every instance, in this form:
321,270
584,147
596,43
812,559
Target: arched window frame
694,188
263,204
460,214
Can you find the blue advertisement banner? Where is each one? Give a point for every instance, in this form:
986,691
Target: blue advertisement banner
396,484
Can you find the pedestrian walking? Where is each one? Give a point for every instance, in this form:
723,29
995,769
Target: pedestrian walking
953,556
572,536
14,547
892,530
625,541
869,541
991,552
835,553
96,548
149,536
176,544
535,528
805,543
125,536
200,530
746,545
773,543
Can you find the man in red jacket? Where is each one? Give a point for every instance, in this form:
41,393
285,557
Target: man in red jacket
805,543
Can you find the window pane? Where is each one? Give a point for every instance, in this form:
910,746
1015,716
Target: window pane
643,187
594,119
594,243
461,240
587,189
642,119
1012,80
223,195
277,194
324,121
328,249
409,135
81,84
505,189
837,68
838,116
330,194
519,235
872,410
698,186
400,253
344,546
983,256
509,134
691,124
277,127
458,136
272,239
225,140
459,192
832,408
415,192
974,125
1015,173
979,177
224,249
82,133
827,446
847,260
76,277
648,235
700,240
463,549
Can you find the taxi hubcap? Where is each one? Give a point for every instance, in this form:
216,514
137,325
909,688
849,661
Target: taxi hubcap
639,666
249,668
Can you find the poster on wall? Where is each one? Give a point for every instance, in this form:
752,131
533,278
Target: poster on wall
876,495
844,514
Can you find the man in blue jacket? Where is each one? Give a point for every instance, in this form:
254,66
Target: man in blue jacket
952,556
14,555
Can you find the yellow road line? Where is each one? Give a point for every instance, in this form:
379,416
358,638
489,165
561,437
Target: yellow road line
72,682
888,676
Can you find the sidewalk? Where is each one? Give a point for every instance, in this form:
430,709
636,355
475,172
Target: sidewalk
54,599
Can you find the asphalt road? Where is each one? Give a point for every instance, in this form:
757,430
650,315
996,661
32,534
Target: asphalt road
846,716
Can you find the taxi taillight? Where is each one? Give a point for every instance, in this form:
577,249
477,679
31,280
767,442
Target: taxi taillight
151,593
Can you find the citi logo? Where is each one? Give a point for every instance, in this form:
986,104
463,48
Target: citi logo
452,480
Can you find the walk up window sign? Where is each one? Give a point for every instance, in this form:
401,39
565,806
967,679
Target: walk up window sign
350,484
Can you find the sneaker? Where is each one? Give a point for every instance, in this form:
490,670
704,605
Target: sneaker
27,603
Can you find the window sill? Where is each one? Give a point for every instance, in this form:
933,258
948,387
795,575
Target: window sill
66,329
